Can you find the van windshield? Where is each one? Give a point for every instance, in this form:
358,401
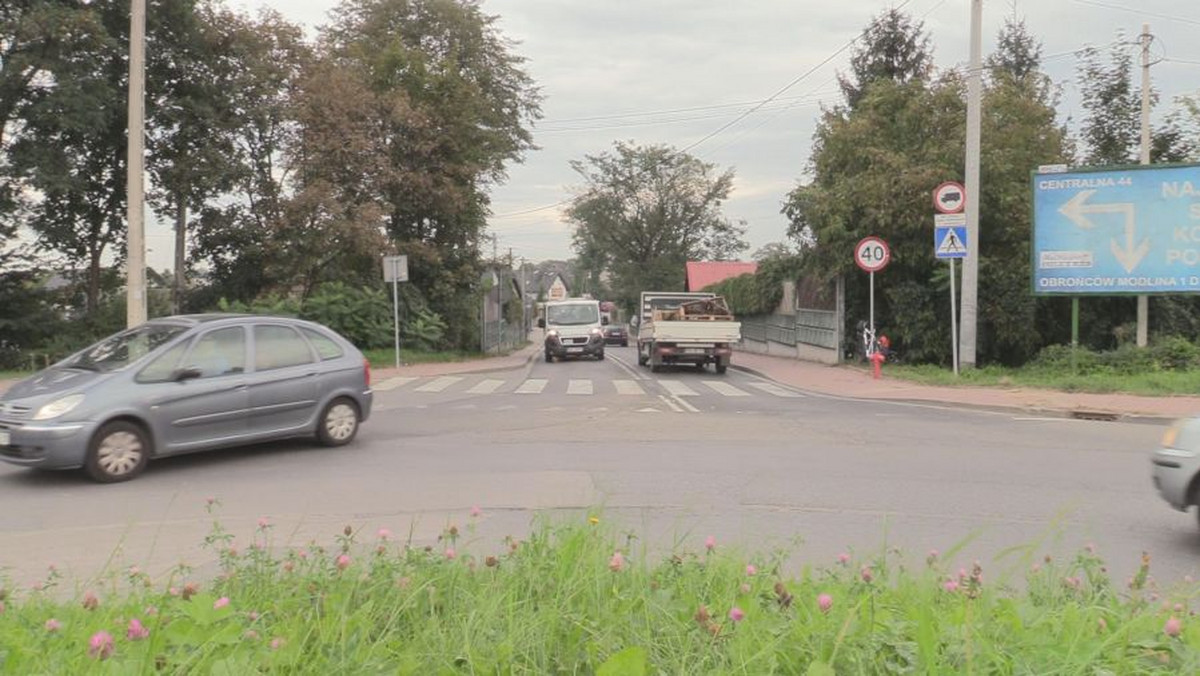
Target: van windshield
569,315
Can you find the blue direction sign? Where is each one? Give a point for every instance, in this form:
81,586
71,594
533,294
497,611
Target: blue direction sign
950,241
1133,230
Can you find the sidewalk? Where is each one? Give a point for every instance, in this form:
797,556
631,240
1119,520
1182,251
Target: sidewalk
858,384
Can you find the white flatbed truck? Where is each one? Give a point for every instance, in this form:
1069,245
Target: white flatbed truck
685,328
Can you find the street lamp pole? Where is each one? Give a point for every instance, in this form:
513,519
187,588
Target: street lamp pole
135,287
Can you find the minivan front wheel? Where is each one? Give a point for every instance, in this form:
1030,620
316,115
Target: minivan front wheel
339,422
118,452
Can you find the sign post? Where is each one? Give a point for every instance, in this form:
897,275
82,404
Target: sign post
872,255
950,243
395,270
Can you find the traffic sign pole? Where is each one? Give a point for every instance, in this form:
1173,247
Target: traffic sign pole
953,319
872,316
396,310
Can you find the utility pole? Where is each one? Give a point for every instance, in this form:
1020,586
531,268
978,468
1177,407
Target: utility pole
1143,301
135,254
499,297
524,311
180,254
970,272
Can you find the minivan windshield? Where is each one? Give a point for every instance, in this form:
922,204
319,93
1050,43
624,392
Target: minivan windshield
571,315
124,348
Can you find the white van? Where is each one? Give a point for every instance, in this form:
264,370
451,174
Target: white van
573,329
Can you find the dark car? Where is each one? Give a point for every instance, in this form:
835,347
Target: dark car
616,334
184,384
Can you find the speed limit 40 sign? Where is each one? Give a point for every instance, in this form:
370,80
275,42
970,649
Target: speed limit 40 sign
872,254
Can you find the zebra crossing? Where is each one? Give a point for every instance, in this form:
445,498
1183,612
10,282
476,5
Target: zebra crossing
582,387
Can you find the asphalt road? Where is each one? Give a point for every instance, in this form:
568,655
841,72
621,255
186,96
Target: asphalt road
675,456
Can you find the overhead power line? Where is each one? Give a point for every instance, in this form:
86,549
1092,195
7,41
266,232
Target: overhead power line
1139,12
750,111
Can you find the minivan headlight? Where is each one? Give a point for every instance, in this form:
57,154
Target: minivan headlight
58,407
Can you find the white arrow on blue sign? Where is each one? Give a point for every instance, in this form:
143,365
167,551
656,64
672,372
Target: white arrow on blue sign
950,241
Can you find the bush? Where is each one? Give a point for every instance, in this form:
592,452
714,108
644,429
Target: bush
1170,354
1176,354
362,315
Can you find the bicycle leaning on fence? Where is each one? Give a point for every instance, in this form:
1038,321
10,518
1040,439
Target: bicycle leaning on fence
868,343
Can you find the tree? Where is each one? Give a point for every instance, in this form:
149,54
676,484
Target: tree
1111,135
1020,131
645,211
191,146
892,47
451,105
873,168
70,144
264,61
37,41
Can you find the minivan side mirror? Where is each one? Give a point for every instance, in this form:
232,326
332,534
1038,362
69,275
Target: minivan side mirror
541,323
187,373
603,321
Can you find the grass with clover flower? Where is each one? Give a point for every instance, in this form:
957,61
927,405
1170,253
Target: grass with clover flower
581,598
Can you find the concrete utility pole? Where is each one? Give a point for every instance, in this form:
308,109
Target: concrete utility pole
1143,301
135,257
970,272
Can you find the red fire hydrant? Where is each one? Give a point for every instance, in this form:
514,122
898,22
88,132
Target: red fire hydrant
877,359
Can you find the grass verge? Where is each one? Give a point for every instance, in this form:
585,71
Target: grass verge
580,598
1153,383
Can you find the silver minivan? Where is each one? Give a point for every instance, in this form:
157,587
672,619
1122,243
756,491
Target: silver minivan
182,384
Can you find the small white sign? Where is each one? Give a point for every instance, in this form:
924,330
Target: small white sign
1052,169
949,220
395,268
1050,260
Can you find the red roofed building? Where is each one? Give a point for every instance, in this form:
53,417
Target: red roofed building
700,275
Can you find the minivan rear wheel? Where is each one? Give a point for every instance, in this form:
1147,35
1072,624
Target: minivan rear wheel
339,422
119,452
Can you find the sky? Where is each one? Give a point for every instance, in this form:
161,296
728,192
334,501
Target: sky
676,71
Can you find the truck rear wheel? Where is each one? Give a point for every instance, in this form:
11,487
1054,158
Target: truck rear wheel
642,358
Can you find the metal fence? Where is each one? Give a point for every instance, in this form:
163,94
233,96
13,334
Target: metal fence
497,337
813,322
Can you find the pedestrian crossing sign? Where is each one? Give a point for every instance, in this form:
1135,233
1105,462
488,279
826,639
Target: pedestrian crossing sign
950,241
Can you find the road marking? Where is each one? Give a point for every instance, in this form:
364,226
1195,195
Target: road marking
486,386
579,386
466,407
677,388
532,386
393,383
671,403
725,389
628,387
771,388
507,407
439,384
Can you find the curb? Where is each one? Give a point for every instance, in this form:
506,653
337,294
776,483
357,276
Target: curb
1068,414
